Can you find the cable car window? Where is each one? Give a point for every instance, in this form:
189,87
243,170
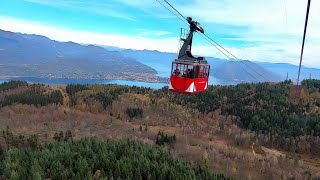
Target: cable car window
201,71
175,69
196,71
183,70
190,72
179,70
205,71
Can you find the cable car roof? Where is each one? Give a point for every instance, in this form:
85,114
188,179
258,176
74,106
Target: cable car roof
188,62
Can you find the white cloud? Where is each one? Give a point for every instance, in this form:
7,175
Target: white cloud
152,33
62,34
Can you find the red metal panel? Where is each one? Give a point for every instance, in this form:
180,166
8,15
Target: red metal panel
178,83
182,80
201,83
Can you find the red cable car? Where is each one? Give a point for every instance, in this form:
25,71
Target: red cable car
189,74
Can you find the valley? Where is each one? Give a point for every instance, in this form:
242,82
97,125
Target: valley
208,129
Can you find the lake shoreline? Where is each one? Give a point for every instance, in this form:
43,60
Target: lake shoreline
65,81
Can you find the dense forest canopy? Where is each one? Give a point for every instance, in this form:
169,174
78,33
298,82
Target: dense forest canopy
93,159
262,107
312,85
11,85
34,94
34,98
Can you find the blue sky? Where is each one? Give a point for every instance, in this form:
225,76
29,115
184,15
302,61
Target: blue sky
264,30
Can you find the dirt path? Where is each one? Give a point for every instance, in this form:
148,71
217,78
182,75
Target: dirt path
313,163
273,152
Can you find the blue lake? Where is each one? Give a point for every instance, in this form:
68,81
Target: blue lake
57,81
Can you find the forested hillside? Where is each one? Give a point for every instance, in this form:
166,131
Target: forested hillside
267,110
259,131
93,159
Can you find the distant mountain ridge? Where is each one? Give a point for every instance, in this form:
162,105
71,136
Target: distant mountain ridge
39,56
220,68
34,55
228,70
245,71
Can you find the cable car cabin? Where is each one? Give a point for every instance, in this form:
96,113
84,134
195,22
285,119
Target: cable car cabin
189,74
189,78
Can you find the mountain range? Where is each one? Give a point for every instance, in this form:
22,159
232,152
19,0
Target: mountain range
34,55
39,56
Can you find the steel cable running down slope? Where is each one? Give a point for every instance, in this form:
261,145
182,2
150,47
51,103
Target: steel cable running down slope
236,58
304,38
215,44
205,37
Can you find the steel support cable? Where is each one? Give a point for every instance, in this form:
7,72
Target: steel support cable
237,98
218,45
236,57
175,9
184,21
303,40
204,36
226,55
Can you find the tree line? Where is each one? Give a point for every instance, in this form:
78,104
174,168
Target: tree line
312,85
104,93
33,97
11,85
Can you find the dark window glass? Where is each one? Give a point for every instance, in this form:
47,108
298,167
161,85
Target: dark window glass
190,73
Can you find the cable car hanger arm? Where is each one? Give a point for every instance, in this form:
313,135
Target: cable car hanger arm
185,51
